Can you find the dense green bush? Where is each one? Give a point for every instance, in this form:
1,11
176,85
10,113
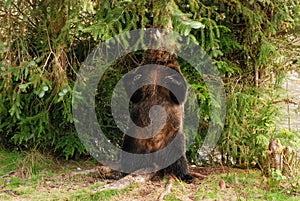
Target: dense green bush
43,43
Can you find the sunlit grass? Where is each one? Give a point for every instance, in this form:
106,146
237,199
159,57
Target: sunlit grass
40,177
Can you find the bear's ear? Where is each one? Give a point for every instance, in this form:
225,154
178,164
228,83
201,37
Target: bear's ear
177,86
131,81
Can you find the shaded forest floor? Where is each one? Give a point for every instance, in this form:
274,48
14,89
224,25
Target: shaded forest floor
33,176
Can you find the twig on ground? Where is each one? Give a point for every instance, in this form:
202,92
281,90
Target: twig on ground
198,175
84,171
11,192
285,188
167,189
8,174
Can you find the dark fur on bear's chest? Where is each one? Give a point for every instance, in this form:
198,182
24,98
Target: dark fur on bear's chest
140,115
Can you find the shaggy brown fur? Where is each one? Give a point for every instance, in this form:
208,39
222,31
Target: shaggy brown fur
150,95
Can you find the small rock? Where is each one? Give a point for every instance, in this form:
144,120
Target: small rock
222,184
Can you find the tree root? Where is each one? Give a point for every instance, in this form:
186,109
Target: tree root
126,181
167,189
198,175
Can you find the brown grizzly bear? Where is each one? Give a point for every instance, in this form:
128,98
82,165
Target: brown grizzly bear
171,97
